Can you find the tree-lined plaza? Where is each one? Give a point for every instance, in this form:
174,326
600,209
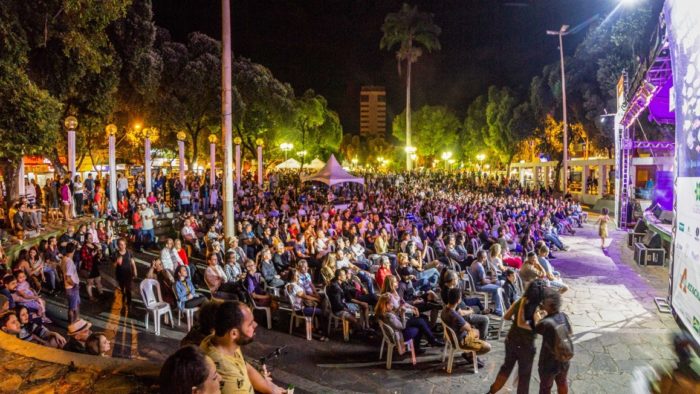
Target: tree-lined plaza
445,189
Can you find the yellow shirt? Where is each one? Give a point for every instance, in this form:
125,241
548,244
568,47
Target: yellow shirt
233,371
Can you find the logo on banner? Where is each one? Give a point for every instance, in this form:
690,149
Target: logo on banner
681,226
696,324
697,191
684,281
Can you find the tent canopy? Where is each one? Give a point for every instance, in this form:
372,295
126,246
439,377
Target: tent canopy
332,174
289,164
315,164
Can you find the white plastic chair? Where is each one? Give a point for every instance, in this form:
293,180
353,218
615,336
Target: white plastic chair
496,324
470,288
332,318
153,301
476,244
452,346
295,317
389,338
266,309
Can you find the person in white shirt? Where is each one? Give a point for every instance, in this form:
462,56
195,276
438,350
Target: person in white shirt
169,257
147,231
122,185
189,236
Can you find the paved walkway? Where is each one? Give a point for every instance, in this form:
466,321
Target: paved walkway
616,324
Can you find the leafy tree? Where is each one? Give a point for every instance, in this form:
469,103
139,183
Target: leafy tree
189,94
436,129
411,31
263,107
317,128
53,52
475,130
508,124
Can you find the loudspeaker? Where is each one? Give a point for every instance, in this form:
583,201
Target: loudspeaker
652,240
641,226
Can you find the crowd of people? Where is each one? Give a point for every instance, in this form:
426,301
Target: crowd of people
416,252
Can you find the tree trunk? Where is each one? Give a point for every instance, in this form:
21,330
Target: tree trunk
56,162
10,172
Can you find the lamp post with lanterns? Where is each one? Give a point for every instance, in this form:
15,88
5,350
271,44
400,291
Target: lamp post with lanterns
71,123
259,142
237,141
446,157
147,132
286,147
181,137
212,159
111,130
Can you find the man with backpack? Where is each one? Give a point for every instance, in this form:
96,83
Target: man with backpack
557,344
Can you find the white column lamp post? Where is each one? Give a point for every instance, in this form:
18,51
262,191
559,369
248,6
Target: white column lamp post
237,142
112,132
212,159
71,123
259,142
181,136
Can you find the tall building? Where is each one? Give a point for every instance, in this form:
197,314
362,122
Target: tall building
373,111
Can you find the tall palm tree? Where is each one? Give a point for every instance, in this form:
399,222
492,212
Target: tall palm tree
411,31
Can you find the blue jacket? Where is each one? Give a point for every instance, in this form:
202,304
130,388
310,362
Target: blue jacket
181,291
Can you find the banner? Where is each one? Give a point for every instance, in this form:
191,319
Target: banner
682,21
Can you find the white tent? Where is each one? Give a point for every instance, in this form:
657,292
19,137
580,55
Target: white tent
315,164
332,174
289,164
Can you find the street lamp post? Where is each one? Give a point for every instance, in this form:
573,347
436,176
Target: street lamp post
259,142
147,158
71,123
237,142
561,33
286,147
227,117
446,157
111,133
212,159
181,136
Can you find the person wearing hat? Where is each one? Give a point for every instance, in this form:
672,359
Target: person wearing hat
78,331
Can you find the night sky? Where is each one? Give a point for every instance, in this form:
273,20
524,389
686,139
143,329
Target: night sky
332,46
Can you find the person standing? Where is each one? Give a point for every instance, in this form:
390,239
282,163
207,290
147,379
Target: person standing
147,229
122,186
557,346
603,227
125,267
520,341
71,282
78,195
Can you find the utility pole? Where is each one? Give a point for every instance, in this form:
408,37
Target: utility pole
226,116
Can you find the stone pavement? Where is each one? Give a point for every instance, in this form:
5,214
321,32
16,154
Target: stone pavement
610,302
29,376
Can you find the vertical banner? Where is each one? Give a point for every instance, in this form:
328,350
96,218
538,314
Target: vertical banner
682,21
618,145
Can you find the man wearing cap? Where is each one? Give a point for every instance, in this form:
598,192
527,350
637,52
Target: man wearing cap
79,331
147,232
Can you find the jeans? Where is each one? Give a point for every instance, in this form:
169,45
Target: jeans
428,279
78,203
148,236
523,354
367,280
417,328
50,275
555,240
495,293
547,379
480,322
